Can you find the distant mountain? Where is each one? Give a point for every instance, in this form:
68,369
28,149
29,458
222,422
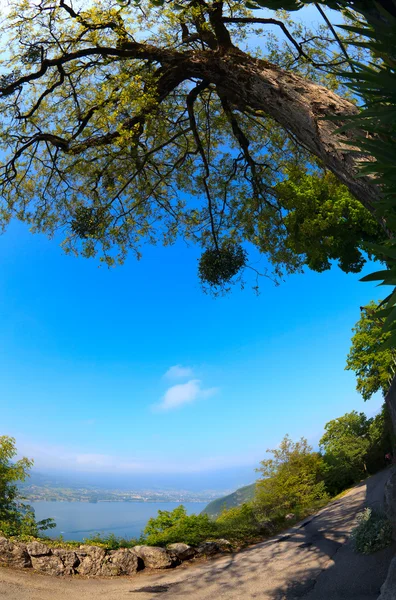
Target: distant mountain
244,494
221,481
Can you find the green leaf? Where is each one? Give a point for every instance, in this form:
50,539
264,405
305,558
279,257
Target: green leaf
379,250
390,321
389,343
377,276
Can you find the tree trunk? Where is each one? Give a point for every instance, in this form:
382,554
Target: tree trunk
297,104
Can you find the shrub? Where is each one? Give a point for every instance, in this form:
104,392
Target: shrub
239,523
111,541
177,526
372,533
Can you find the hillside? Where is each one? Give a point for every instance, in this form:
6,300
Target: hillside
243,494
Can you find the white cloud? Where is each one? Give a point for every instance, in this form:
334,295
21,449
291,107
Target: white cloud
183,393
178,372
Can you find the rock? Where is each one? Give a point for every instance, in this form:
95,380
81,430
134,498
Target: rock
290,516
107,568
208,549
38,549
124,561
52,565
181,551
224,545
154,557
14,555
69,559
388,588
91,560
390,499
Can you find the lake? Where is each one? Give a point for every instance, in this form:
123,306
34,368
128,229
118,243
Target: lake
78,520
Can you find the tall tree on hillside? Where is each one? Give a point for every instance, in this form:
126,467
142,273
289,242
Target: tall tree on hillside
124,123
290,481
345,444
373,365
355,446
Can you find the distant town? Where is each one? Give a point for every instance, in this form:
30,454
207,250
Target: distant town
37,493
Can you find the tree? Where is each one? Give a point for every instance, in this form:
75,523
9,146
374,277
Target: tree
116,136
16,517
355,446
346,445
373,365
291,480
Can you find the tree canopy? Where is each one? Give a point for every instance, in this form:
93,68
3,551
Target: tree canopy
354,446
373,364
16,517
130,123
290,480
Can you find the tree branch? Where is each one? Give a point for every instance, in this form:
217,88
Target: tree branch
191,98
335,34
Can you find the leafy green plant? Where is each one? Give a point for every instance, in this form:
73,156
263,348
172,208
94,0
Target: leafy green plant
111,541
371,362
16,517
372,533
177,526
240,523
291,480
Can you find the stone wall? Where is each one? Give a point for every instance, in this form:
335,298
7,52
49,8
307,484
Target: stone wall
93,561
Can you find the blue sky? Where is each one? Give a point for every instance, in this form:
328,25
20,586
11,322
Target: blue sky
133,370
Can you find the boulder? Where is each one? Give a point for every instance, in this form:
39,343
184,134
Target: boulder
38,549
390,499
91,560
14,555
208,549
154,557
50,564
69,559
124,561
181,551
224,545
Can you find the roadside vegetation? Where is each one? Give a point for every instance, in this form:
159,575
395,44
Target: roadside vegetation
293,483
373,532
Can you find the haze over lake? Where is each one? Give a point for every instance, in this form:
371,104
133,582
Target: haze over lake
78,520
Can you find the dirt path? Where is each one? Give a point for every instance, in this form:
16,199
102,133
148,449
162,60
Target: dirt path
313,561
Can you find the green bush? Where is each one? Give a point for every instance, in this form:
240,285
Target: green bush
372,533
239,523
111,541
177,526
235,524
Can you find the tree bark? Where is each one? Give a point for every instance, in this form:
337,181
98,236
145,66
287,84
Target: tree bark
297,104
